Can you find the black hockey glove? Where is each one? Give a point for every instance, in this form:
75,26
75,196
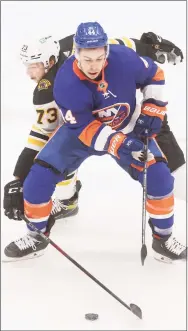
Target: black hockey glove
13,199
162,47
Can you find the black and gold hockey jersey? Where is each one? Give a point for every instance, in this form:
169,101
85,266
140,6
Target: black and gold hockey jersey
48,115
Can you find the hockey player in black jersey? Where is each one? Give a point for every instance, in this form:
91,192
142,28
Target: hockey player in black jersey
42,61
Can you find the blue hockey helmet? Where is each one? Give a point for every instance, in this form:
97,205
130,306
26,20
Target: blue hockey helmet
90,35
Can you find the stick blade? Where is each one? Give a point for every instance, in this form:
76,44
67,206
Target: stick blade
143,253
136,310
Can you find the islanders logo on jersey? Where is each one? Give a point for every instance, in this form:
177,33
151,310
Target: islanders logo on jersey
113,115
43,84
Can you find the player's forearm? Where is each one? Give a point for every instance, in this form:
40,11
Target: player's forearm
36,141
24,163
153,90
145,49
85,127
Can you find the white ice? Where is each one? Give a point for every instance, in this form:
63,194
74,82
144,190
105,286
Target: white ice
50,293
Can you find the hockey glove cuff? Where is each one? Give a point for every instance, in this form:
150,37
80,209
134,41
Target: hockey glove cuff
151,118
13,199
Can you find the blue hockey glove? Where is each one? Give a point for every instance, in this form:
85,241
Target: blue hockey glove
127,149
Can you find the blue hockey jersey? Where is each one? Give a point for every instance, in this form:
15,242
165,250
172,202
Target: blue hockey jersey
92,109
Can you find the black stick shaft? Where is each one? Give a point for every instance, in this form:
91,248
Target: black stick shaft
76,263
144,199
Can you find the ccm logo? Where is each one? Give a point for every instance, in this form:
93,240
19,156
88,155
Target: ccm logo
154,110
15,190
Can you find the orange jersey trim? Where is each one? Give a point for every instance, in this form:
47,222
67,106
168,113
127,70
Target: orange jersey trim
88,133
159,75
81,76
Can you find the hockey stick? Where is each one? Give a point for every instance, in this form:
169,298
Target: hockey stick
144,197
133,308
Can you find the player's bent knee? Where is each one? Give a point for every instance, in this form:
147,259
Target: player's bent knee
40,184
160,182
47,165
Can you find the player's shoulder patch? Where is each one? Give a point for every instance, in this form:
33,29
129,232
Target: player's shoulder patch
43,92
43,95
43,84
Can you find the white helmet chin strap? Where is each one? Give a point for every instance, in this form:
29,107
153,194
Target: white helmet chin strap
76,53
47,66
107,50
46,69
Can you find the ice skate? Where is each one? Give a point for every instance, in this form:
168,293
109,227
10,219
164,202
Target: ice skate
168,249
27,247
66,208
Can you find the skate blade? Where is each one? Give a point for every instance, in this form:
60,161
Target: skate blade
34,255
70,213
167,260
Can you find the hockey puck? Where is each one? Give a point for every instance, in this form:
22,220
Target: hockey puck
91,317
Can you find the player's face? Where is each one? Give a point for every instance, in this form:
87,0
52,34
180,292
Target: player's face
36,71
91,61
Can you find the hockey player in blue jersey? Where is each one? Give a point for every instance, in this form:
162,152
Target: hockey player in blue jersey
96,92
